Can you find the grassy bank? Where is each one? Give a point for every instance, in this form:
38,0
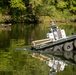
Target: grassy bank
60,19
45,19
4,18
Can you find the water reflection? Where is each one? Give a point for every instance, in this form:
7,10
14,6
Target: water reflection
61,58
25,32
4,38
5,27
29,32
65,55
34,32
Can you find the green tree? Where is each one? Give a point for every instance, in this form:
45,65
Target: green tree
17,4
62,5
73,6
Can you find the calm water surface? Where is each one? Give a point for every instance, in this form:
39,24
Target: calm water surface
23,34
29,32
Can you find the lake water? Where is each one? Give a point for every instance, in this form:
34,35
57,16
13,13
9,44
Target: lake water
23,34
29,32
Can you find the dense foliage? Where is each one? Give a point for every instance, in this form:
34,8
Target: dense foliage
33,10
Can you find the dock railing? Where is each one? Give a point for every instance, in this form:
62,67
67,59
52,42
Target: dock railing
42,41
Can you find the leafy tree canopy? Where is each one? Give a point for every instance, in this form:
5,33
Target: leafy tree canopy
17,4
